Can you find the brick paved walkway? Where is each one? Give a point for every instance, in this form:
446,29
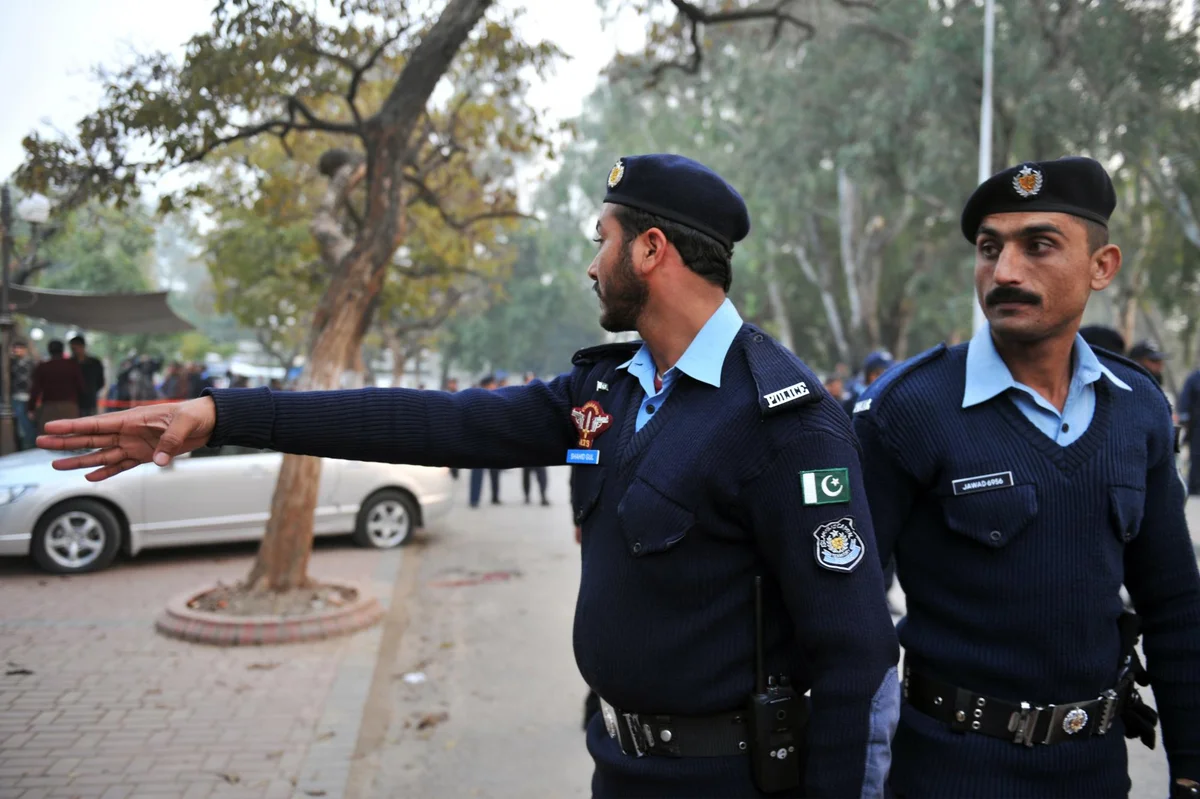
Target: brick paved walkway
112,709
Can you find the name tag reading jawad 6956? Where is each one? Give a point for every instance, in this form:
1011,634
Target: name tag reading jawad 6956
984,482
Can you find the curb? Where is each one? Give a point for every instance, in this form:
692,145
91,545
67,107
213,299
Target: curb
180,621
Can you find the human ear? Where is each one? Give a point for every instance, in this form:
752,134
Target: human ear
1105,264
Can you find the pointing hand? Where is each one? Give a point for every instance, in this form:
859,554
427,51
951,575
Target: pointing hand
123,440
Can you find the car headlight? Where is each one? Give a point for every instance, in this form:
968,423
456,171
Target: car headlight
10,494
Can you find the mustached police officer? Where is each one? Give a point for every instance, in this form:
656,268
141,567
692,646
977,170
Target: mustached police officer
707,459
1021,479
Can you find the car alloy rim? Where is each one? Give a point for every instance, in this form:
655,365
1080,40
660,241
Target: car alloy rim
75,539
388,523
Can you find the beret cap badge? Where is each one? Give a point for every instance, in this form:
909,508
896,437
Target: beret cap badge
1027,182
615,174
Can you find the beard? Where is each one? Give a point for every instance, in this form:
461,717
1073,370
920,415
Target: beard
624,297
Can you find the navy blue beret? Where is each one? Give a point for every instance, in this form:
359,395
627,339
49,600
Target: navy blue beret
681,190
1075,185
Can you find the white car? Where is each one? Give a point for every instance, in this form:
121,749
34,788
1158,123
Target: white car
209,496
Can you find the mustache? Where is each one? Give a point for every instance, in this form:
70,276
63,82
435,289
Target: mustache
1002,294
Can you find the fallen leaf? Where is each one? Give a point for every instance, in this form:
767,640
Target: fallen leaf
314,793
431,720
152,692
447,644
17,672
232,779
325,736
263,666
274,755
451,743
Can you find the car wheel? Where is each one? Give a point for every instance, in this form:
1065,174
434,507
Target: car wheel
386,520
76,536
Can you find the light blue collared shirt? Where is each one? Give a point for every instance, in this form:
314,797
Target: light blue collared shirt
988,376
702,360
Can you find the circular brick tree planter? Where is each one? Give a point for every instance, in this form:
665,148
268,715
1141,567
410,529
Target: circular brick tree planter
179,620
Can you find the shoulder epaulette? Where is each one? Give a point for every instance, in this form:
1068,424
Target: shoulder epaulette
782,380
894,376
1134,365
621,349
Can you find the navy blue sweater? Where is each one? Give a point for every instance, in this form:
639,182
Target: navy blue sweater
1013,592
677,520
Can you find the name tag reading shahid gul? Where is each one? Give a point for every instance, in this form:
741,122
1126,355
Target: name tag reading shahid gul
984,482
589,457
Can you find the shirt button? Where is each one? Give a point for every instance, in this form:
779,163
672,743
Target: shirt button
649,409
1066,428
995,535
637,547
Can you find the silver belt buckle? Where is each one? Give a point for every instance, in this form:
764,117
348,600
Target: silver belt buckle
1023,722
625,727
610,718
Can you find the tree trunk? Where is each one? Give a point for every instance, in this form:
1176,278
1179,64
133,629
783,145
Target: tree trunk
783,324
282,562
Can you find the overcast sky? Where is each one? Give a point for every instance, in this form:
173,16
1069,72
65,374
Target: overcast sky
48,49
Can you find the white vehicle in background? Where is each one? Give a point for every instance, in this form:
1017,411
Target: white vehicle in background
209,496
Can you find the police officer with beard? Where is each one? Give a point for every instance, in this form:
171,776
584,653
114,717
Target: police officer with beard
708,462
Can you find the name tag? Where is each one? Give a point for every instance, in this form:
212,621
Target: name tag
589,457
984,482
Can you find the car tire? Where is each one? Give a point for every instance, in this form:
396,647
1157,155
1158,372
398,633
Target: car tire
76,536
386,520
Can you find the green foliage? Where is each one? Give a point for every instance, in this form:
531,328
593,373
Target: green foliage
856,148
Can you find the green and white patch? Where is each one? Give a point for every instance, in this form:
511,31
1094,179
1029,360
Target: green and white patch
825,486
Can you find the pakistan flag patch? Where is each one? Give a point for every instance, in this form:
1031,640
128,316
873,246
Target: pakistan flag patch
825,486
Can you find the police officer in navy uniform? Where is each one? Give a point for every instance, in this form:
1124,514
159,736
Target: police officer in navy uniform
706,457
1020,480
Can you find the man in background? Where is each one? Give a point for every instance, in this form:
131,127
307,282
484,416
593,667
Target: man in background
21,373
1104,337
93,376
56,388
488,384
533,471
1188,411
1147,355
874,365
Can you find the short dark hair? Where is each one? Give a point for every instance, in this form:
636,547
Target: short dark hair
55,348
1097,235
78,340
701,253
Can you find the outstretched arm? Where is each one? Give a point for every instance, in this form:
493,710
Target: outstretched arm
517,426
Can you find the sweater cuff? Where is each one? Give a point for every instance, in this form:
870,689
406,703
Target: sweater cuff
245,416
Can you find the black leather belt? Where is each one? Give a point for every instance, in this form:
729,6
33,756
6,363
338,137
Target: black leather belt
641,734
1021,722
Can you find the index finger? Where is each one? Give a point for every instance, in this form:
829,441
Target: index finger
86,425
77,442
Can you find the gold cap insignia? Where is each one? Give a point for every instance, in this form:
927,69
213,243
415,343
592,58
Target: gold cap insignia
615,174
1027,182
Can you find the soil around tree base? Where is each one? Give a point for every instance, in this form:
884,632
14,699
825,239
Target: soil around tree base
237,600
232,615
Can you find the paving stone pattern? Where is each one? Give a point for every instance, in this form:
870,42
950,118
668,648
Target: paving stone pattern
114,710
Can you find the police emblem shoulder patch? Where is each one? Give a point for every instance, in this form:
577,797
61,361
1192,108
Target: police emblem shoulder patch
838,545
616,173
1027,182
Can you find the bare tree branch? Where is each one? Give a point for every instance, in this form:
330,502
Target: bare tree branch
357,70
778,13
429,197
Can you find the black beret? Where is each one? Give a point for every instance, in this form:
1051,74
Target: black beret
681,190
1105,337
1075,185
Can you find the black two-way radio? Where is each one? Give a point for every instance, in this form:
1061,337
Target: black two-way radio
777,720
